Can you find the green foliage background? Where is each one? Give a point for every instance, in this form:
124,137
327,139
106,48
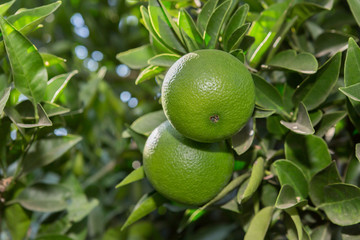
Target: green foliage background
58,175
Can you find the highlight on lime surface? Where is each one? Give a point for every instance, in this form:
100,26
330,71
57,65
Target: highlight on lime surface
208,95
184,170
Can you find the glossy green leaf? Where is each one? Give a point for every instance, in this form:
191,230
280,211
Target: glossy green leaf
237,37
138,138
288,198
295,217
352,92
274,126
149,73
308,152
315,117
146,205
45,151
264,30
304,10
262,113
16,118
148,122
236,21
321,233
205,14
316,88
269,194
259,224
17,221
352,72
303,123
289,174
325,177
134,176
51,60
192,37
136,58
342,203
328,121
28,19
53,109
5,6
162,26
267,96
216,21
355,9
255,180
242,141
239,54
164,60
29,73
56,85
357,151
4,98
329,43
42,197
290,60
352,174
353,116
170,21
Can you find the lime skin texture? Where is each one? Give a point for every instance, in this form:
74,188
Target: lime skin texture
208,95
183,170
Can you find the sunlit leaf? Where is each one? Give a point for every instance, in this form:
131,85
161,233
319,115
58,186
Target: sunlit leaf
17,220
29,73
5,6
56,85
303,124
53,109
190,33
51,60
149,73
205,14
4,98
134,176
302,62
146,205
138,138
164,60
148,122
316,88
259,224
136,58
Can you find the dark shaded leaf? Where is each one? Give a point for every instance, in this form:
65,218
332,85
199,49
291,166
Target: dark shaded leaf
352,92
288,198
316,88
16,118
328,121
136,58
134,176
352,174
355,9
357,151
236,38
259,224
315,117
3,99
236,21
303,123
308,152
262,113
242,141
304,10
321,233
329,43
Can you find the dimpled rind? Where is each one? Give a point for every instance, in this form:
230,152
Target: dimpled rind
208,95
183,170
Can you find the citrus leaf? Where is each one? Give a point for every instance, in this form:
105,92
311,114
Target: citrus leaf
263,113
4,98
28,19
236,21
352,92
264,30
47,150
288,198
303,62
328,121
190,33
315,117
164,60
357,151
136,58
259,224
267,96
352,174
308,152
325,177
242,141
236,38
148,122
42,197
138,138
53,109
146,205
5,6
321,233
239,54
304,10
303,123
352,72
53,237
342,204
289,174
16,118
149,73
294,215
255,180
134,176
329,43
205,14
29,73
216,21
162,26
316,88
355,9
51,60
56,85
353,115
17,221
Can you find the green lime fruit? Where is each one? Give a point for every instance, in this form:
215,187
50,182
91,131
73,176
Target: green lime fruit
184,170
208,95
